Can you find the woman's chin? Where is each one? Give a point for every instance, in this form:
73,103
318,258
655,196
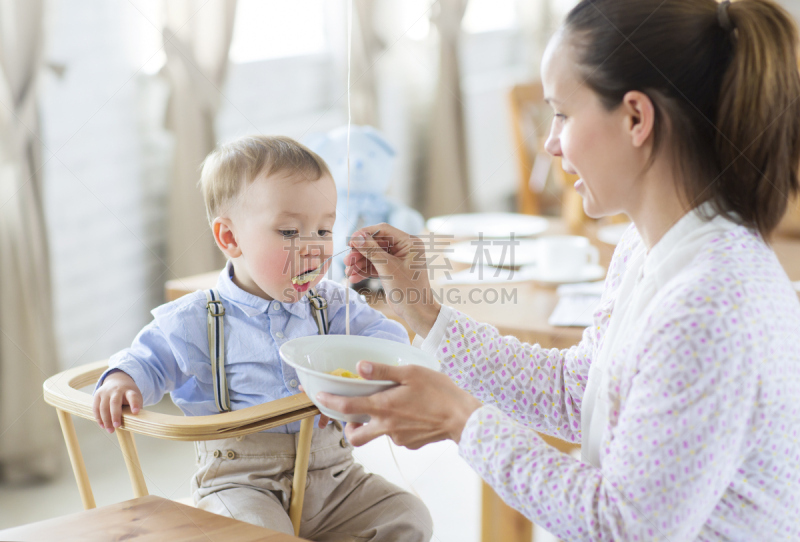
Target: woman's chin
591,210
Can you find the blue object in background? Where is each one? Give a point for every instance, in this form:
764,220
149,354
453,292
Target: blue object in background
371,163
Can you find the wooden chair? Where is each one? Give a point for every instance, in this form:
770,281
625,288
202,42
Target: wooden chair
63,391
530,125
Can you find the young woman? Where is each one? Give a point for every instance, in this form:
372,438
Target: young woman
684,392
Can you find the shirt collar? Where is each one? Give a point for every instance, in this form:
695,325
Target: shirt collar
251,304
683,241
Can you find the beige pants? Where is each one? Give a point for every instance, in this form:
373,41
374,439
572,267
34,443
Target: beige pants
250,479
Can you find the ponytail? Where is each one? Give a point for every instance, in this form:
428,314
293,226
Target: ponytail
759,112
725,85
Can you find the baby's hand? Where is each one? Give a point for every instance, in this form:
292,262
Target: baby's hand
118,389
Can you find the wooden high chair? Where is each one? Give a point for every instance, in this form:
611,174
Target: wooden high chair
63,391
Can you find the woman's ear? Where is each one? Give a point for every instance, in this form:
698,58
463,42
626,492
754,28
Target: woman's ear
639,117
225,237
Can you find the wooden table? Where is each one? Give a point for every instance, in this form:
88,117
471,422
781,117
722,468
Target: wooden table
526,319
146,519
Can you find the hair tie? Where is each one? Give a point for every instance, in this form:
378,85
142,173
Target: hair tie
722,15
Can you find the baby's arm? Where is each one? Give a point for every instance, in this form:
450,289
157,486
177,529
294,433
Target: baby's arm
137,375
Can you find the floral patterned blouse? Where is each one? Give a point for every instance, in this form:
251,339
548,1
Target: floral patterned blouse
701,437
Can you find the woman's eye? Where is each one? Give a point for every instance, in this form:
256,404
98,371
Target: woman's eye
561,116
323,233
288,233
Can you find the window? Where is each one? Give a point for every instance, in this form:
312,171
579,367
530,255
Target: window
489,15
266,29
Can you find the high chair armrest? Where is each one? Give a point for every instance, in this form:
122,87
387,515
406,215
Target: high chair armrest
63,391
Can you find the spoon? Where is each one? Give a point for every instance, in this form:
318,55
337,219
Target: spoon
311,274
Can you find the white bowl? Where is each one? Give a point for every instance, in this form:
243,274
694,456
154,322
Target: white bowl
315,356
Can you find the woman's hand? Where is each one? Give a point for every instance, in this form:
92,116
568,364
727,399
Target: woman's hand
426,407
398,259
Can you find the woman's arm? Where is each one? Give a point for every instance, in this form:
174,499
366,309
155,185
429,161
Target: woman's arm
541,388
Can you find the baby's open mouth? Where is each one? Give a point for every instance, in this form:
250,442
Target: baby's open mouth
307,276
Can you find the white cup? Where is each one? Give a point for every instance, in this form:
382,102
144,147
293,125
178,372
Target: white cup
565,255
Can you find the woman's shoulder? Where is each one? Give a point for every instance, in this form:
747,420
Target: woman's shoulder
735,275
738,258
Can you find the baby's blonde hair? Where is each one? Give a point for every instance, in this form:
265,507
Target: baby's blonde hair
231,166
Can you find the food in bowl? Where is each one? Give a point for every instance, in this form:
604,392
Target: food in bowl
346,374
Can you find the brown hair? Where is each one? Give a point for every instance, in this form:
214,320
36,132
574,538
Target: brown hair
236,164
724,83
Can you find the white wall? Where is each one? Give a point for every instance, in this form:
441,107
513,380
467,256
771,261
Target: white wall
103,185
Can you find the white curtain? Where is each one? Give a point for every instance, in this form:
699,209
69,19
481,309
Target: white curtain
366,48
29,433
446,187
197,38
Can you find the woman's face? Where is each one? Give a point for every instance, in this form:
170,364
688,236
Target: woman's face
592,142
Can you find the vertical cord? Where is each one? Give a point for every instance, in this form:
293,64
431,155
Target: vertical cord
349,55
396,464
346,281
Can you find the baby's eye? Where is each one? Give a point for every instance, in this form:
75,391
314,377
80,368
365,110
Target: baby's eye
288,233
323,233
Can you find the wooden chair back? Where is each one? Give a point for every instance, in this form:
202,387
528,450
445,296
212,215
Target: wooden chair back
530,124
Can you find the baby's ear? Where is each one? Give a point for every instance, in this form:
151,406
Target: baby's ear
225,237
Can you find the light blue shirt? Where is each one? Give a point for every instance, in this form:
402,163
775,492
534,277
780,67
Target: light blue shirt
171,353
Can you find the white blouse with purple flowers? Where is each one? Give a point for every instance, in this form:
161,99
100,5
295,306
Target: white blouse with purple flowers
684,393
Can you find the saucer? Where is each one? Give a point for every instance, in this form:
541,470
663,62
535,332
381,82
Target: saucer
491,225
585,274
466,252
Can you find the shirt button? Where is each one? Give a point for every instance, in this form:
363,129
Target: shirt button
293,383
279,335
231,454
276,306
343,443
216,453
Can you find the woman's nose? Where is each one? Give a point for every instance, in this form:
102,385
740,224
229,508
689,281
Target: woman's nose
553,144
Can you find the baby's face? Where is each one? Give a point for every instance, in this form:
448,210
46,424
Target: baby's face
283,227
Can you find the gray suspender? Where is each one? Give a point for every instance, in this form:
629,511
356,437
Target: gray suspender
216,349
319,308
216,339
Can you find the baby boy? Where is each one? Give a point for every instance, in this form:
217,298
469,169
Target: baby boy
271,203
